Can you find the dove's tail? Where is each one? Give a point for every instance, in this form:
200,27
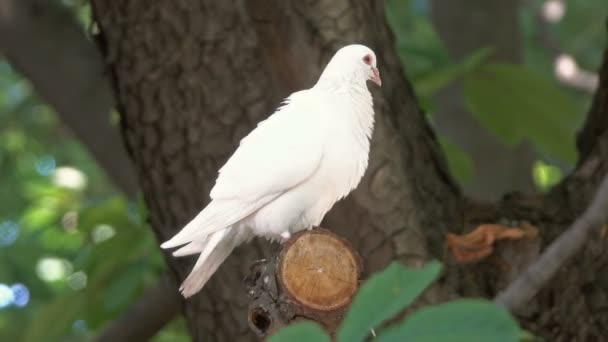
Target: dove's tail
212,233
218,215
214,250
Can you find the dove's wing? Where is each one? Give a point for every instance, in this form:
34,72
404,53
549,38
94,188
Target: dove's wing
280,153
283,151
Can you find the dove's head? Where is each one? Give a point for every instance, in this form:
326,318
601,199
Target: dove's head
353,63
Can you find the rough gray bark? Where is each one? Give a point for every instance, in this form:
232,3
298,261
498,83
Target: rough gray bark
43,41
464,27
192,77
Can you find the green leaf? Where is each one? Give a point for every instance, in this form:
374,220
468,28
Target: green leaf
515,104
459,161
52,320
384,295
57,239
436,77
545,175
112,212
464,320
301,332
39,217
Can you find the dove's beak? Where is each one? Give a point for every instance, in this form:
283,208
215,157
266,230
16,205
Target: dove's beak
376,77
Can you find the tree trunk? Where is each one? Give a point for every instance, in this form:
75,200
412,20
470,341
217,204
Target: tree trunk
193,77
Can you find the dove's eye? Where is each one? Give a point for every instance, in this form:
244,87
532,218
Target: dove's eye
367,59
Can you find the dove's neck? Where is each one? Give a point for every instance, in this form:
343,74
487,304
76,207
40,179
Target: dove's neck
351,121
353,96
355,115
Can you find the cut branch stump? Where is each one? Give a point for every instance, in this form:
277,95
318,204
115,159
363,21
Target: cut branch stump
314,277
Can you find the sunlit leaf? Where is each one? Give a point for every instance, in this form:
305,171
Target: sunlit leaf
545,175
55,239
40,217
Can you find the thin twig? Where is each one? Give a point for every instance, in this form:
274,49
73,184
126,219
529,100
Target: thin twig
542,270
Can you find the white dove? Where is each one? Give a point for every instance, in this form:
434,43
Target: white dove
291,169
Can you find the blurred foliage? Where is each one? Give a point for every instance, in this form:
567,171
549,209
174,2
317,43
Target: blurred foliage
515,102
82,249
85,252
387,293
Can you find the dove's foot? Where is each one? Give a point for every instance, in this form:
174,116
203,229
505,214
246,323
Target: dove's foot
285,236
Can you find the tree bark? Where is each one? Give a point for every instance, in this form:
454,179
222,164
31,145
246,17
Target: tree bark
193,77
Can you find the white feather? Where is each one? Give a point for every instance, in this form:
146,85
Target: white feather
275,157
214,253
193,247
218,215
289,171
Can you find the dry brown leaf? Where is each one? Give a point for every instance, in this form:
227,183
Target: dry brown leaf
479,243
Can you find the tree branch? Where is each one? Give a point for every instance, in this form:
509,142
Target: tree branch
156,307
45,44
560,251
